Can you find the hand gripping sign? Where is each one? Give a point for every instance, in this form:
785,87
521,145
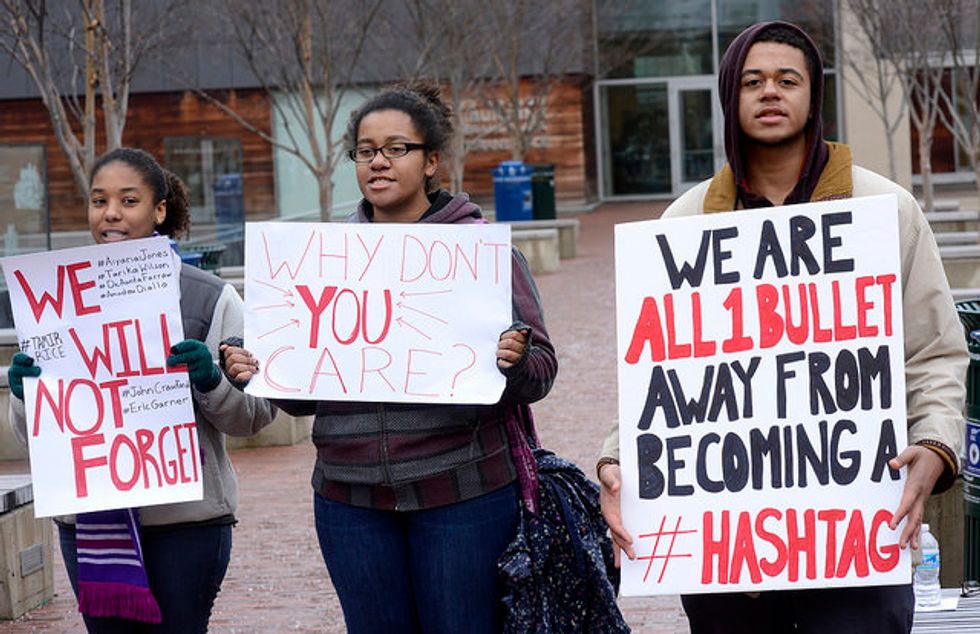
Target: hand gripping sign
377,312
109,424
761,394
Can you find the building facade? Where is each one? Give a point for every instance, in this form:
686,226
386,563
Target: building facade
637,118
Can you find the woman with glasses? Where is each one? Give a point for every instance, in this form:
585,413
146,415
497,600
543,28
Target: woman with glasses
418,552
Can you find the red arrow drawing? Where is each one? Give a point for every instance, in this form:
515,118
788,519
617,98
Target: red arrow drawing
402,322
292,322
421,312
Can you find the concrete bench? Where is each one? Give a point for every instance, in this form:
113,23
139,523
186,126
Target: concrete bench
962,264
568,229
283,431
965,618
957,237
953,220
10,447
25,549
539,246
960,294
942,205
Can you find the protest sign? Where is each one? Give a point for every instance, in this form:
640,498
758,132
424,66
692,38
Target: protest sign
377,312
109,424
761,393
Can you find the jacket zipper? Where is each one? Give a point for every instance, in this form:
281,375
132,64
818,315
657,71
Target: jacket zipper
385,467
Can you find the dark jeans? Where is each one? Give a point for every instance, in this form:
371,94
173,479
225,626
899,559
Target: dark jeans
878,609
428,571
185,567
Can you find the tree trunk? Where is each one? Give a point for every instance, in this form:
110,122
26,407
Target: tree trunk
925,167
457,157
457,143
976,180
892,170
325,188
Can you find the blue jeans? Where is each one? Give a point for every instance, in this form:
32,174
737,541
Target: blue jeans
185,567
428,571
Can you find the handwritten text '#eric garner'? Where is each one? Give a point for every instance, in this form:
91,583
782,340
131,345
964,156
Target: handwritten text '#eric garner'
92,409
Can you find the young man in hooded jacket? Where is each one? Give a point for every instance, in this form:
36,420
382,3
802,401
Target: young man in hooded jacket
771,88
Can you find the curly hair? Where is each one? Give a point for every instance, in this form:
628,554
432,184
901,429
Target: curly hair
421,101
166,186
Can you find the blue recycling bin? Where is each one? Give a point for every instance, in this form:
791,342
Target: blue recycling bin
512,191
229,199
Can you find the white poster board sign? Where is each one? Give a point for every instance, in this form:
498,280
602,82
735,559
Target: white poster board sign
377,312
761,393
109,424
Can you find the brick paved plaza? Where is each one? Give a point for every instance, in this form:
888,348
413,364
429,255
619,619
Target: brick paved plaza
277,581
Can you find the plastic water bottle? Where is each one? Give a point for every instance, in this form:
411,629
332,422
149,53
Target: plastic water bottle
926,579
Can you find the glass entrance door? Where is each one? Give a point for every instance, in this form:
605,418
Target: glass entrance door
697,139
636,158
658,138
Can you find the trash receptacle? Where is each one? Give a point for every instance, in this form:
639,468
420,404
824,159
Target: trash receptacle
543,191
512,191
229,199
191,257
203,256
969,312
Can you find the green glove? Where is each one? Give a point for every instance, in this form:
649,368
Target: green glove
20,366
204,374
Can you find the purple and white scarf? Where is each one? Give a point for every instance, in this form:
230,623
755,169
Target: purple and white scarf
111,576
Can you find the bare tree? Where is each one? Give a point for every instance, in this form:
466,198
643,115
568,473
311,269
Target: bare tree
622,34
304,54
876,73
92,43
960,20
922,75
453,48
536,43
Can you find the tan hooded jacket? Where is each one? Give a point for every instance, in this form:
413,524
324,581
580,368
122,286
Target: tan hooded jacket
935,349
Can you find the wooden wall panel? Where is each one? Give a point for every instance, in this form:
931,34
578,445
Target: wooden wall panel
563,142
152,118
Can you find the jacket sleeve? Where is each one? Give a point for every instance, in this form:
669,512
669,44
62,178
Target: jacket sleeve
531,378
296,408
227,408
936,357
610,444
17,417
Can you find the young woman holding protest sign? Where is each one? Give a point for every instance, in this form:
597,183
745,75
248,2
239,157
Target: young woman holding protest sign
159,568
417,551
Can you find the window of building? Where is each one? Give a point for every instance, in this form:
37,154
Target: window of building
654,39
212,170
23,199
816,17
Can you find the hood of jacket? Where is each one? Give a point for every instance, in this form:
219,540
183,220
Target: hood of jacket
834,181
729,86
445,209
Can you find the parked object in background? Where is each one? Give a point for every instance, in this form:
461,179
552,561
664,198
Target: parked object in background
26,567
543,191
925,582
969,313
512,191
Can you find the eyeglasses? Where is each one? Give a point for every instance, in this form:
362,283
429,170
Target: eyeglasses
365,154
